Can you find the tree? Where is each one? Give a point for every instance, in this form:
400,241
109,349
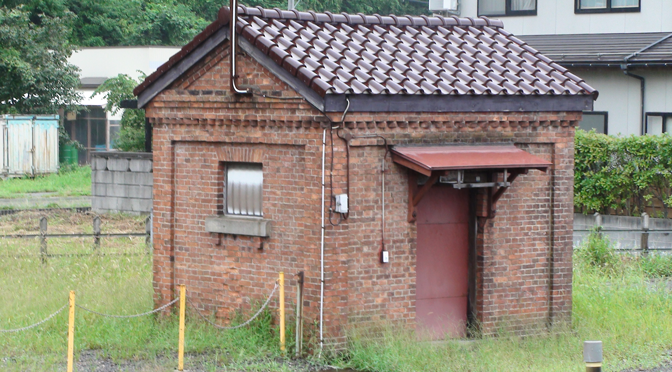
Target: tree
166,23
382,7
35,76
132,133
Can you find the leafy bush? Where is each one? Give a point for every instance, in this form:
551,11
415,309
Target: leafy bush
597,251
626,175
131,136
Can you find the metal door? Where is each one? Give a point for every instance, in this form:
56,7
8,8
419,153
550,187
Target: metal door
3,145
442,275
20,145
45,145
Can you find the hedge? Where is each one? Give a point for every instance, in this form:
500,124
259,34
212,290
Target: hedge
623,175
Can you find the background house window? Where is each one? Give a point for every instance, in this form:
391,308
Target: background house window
597,120
604,6
507,7
244,184
658,123
115,126
89,128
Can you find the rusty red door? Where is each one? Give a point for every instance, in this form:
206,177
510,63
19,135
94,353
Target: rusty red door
442,276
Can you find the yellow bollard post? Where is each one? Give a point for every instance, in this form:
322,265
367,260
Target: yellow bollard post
71,331
180,347
282,311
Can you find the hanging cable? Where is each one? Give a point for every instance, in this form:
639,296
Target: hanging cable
331,171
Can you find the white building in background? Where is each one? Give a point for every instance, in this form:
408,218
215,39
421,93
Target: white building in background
623,48
95,129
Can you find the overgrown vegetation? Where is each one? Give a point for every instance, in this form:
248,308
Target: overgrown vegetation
131,136
626,175
175,22
73,182
618,299
113,284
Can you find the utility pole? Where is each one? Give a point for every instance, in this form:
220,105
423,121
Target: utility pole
290,4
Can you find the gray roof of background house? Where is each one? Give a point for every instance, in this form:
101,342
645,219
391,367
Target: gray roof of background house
604,49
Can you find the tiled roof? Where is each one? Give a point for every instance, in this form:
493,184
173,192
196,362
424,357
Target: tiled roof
371,54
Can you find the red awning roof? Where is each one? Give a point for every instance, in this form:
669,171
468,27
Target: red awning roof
425,159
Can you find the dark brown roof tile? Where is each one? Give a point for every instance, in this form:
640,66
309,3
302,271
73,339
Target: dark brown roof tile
373,54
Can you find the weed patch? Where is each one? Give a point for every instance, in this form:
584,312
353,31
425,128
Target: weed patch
615,300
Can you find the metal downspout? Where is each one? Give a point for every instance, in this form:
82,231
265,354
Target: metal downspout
324,145
642,80
642,87
234,47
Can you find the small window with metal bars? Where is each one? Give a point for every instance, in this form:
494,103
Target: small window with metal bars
243,189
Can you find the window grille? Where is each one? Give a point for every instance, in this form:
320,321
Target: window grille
244,185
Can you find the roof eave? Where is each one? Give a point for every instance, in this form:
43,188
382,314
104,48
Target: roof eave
452,103
164,79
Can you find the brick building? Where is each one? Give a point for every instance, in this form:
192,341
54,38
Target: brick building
474,130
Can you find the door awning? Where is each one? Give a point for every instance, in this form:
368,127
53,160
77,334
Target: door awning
425,159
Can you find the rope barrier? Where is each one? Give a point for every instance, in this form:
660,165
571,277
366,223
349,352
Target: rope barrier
268,300
130,316
36,324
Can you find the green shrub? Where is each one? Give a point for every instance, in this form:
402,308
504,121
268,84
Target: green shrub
597,251
626,175
131,136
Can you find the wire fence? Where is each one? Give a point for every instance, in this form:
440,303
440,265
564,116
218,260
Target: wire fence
158,309
268,300
97,236
36,324
182,299
130,316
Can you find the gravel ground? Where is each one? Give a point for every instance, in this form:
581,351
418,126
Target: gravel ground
664,368
94,361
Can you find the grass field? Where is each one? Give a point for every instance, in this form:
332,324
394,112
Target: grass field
76,182
618,303
112,284
622,301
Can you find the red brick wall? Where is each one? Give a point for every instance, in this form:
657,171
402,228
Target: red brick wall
524,253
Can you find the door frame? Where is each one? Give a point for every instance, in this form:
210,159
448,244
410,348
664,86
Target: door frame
472,315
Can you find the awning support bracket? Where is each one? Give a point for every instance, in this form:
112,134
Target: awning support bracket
495,190
493,197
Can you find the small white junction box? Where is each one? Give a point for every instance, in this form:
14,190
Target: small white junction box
341,203
385,258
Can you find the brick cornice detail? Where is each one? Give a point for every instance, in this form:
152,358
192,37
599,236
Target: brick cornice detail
321,122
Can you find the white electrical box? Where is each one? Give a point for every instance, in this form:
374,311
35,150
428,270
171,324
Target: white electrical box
341,203
443,5
386,257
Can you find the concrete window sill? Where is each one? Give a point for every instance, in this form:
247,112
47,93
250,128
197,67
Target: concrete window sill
238,225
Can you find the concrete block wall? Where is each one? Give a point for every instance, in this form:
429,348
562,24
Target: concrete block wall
122,182
625,239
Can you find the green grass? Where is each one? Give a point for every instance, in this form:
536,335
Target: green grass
76,182
113,285
623,304
626,308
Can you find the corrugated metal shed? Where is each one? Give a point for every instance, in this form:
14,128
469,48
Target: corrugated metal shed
603,48
45,144
29,144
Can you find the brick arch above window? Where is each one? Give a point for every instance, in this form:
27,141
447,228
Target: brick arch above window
240,155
